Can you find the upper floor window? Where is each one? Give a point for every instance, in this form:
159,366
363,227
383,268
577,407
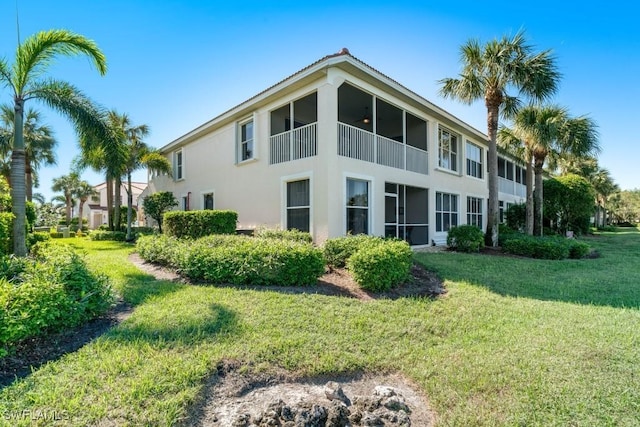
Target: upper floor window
447,149
474,160
178,165
505,169
245,143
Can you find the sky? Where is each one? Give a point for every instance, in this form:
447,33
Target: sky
174,65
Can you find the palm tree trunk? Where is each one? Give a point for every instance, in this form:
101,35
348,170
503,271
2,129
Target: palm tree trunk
118,203
529,204
69,204
129,207
18,195
109,184
80,209
539,198
493,209
28,177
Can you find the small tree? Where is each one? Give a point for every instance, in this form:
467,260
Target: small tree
568,203
157,204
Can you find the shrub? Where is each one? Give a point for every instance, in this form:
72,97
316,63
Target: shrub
195,224
378,267
33,238
6,231
465,238
578,249
118,236
56,235
516,216
274,233
339,249
568,203
52,290
159,249
506,233
547,247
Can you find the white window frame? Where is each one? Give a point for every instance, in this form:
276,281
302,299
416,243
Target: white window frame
307,175
448,159
475,216
370,200
477,165
240,143
452,211
178,166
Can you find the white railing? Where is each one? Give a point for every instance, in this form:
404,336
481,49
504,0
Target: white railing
511,187
294,144
359,144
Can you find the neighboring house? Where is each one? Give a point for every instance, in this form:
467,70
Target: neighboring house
95,208
339,148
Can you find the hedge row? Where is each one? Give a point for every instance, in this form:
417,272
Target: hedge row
376,264
237,259
196,224
52,290
546,247
465,238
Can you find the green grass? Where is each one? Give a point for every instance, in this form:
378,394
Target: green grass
514,342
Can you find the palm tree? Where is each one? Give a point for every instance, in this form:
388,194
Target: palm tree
490,72
550,131
38,140
82,192
26,79
68,185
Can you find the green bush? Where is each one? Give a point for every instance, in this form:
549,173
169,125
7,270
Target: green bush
339,249
56,235
195,224
465,238
578,249
274,233
118,236
378,267
6,233
52,290
33,238
160,249
546,247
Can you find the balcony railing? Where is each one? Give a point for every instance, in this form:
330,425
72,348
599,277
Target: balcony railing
511,187
359,144
294,144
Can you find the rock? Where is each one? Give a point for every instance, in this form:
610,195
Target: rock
367,404
333,391
287,413
371,420
311,416
241,420
384,391
338,414
395,403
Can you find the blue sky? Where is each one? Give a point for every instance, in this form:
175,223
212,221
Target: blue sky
174,65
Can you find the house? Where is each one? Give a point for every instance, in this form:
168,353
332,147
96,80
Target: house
95,209
338,148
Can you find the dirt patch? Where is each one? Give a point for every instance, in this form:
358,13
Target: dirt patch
233,399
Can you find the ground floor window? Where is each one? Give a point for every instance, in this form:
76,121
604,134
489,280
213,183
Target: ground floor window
207,202
298,205
357,205
474,211
446,211
406,213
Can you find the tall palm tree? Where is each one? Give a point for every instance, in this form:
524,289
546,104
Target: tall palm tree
491,72
549,131
68,185
82,192
27,80
39,143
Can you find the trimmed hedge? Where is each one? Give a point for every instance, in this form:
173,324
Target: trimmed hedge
196,224
339,249
380,266
237,259
546,247
274,233
118,236
465,238
48,292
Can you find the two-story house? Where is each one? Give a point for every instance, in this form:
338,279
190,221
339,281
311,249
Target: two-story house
338,148
95,209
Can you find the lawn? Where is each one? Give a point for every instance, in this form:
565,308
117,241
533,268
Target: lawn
514,342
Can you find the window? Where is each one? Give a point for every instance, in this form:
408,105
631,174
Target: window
95,199
207,202
357,206
505,169
245,145
185,203
501,211
474,160
446,211
474,211
178,165
298,205
447,149
521,175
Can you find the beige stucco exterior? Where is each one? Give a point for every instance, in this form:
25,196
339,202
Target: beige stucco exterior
256,189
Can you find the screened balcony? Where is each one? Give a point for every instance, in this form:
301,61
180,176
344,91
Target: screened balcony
512,179
372,130
294,130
